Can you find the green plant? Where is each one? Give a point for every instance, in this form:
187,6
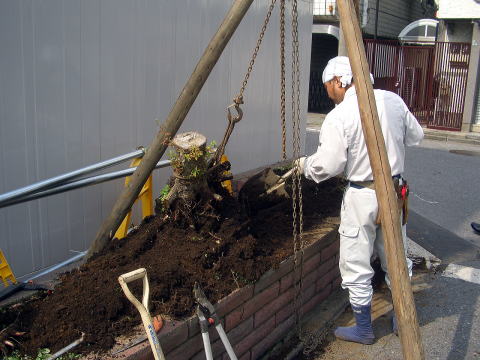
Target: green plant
43,354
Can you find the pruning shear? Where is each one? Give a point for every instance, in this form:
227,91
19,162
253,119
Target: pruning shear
207,316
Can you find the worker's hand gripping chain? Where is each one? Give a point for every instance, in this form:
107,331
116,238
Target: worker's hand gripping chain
207,316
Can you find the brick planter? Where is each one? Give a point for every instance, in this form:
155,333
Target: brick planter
257,316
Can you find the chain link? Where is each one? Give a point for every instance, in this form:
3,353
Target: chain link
297,199
239,98
282,80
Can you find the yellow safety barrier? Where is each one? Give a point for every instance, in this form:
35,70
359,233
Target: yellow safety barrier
6,272
146,198
227,184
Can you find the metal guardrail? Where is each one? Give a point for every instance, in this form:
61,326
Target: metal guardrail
68,177
67,182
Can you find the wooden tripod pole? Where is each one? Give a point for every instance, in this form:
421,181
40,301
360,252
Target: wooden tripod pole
171,125
387,199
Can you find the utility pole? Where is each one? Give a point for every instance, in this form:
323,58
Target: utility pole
402,294
171,125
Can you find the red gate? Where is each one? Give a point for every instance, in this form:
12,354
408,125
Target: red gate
431,78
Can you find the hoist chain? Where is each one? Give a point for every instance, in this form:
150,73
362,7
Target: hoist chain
297,200
239,98
282,80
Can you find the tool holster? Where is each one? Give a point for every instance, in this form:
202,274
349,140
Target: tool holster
402,190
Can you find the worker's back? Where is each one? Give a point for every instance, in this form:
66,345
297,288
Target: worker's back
399,128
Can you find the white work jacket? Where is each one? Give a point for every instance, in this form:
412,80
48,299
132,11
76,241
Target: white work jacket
342,145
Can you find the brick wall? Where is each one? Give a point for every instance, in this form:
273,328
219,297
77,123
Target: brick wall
258,316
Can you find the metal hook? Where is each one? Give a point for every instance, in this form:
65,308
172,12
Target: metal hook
234,119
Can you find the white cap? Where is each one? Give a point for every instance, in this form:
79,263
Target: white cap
339,66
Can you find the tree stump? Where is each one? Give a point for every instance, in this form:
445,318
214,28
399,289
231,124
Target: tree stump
195,188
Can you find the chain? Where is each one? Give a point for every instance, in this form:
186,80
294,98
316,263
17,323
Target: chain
297,200
282,77
239,98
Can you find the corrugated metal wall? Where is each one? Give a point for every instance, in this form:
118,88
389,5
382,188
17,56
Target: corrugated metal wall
83,81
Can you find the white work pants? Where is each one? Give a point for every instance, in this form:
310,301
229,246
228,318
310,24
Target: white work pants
360,237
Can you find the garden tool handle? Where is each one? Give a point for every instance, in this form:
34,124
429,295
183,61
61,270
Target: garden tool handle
142,307
132,276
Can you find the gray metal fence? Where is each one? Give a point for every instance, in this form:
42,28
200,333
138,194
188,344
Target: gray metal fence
83,81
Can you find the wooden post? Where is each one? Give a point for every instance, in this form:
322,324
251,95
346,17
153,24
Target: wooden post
387,198
171,125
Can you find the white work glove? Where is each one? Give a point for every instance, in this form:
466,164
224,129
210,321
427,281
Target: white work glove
300,163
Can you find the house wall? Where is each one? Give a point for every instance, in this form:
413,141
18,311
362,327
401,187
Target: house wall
458,9
393,16
84,81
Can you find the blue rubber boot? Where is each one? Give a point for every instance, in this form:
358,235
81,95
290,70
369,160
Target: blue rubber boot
394,325
362,332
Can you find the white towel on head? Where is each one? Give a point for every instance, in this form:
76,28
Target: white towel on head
339,66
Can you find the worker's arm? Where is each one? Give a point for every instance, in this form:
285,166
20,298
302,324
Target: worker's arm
413,130
331,155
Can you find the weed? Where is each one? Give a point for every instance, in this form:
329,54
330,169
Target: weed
43,354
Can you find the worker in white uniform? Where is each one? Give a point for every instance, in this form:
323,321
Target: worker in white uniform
342,149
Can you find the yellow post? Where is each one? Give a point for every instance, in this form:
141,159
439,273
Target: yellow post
146,198
227,184
6,272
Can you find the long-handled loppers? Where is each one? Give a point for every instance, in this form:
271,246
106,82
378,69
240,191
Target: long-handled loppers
207,316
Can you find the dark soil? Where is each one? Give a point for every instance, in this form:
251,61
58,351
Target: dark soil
90,300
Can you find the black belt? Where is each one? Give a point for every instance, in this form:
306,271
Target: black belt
357,186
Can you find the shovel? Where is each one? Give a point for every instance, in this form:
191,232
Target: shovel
263,188
142,307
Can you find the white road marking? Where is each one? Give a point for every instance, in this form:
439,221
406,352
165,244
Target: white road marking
463,273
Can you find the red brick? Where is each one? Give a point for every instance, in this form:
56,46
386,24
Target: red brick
240,331
217,351
333,274
313,248
186,350
173,334
234,318
310,265
310,279
245,356
286,282
141,351
326,266
259,300
271,308
254,337
234,300
322,283
272,275
337,282
308,293
315,300
330,251
272,338
284,313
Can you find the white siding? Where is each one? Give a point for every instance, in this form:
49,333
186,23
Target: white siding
83,81
393,16
458,9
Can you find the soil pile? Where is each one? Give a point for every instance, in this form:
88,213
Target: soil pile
239,251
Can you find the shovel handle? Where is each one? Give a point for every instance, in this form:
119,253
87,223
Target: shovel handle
132,276
142,307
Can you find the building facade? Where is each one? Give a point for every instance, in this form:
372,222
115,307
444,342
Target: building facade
459,22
